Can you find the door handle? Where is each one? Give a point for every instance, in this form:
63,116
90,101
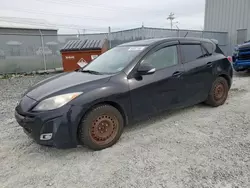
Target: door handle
177,74
209,64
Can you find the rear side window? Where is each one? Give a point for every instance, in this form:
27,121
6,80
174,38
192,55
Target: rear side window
209,46
191,52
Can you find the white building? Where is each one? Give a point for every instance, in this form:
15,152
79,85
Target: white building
232,16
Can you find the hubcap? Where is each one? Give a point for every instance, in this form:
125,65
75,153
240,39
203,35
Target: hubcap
219,91
104,129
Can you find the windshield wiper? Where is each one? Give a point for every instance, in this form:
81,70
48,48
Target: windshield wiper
91,72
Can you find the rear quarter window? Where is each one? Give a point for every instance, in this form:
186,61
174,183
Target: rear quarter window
218,50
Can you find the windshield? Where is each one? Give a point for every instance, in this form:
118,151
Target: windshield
114,60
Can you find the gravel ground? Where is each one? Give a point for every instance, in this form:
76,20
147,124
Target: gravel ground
193,147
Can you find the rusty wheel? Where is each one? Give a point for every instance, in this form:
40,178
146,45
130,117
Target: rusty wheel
101,127
104,129
219,92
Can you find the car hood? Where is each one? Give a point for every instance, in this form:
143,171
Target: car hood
244,46
65,83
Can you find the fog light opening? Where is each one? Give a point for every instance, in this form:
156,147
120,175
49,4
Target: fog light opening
46,136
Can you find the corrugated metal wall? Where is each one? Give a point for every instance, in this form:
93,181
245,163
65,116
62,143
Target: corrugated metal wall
228,16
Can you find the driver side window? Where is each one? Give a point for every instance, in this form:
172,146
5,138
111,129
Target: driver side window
162,58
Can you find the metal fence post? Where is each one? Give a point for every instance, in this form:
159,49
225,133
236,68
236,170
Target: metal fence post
44,59
109,39
143,33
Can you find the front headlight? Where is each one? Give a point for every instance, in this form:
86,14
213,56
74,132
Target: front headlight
56,102
236,52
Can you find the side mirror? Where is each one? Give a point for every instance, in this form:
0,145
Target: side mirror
146,69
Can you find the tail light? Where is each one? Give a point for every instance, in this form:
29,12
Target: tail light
230,59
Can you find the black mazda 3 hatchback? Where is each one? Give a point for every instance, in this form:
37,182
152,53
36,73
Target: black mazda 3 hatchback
91,106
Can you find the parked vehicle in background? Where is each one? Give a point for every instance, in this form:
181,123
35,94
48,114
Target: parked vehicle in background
2,54
91,106
44,50
241,57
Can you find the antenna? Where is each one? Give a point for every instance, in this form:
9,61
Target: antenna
186,35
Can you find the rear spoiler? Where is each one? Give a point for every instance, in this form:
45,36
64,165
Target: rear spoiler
217,49
215,41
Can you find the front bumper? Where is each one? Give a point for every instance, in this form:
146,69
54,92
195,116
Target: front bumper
61,124
239,65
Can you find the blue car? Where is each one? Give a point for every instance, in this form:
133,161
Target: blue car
241,57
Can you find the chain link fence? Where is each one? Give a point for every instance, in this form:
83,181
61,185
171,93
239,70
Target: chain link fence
25,53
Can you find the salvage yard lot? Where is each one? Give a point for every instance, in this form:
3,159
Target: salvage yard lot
198,147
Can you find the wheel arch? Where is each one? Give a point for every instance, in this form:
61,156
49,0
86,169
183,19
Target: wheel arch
119,108
113,104
227,78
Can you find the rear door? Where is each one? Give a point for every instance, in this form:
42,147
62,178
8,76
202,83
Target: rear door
198,74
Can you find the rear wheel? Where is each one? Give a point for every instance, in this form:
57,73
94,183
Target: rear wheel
218,93
101,127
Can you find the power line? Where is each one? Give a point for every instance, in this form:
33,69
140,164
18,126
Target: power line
32,22
49,25
58,14
98,4
68,15
87,4
55,14
62,15
65,15
104,7
28,21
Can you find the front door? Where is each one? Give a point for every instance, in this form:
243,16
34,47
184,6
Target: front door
161,90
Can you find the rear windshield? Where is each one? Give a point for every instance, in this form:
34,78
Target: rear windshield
115,60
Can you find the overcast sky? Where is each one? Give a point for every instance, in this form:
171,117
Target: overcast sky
97,15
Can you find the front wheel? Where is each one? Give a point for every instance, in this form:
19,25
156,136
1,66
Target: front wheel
101,127
218,93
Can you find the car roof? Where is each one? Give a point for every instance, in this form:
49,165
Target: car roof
149,42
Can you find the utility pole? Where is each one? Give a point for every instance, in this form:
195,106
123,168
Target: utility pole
171,17
79,34
44,59
83,33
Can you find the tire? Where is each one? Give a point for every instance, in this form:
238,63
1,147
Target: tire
101,127
218,93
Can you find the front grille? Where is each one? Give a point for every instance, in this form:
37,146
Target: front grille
244,56
245,50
